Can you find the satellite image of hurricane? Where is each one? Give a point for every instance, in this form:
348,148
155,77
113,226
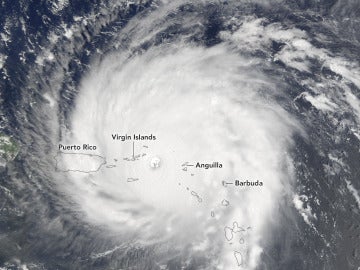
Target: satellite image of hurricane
180,135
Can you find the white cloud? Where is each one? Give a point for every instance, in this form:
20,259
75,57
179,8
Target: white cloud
320,102
202,105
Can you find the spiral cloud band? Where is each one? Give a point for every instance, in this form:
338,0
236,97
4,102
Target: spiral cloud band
207,106
180,135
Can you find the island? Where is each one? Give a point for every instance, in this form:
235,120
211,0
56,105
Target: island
8,149
78,162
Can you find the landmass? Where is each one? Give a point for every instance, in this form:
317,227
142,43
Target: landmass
78,162
8,149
